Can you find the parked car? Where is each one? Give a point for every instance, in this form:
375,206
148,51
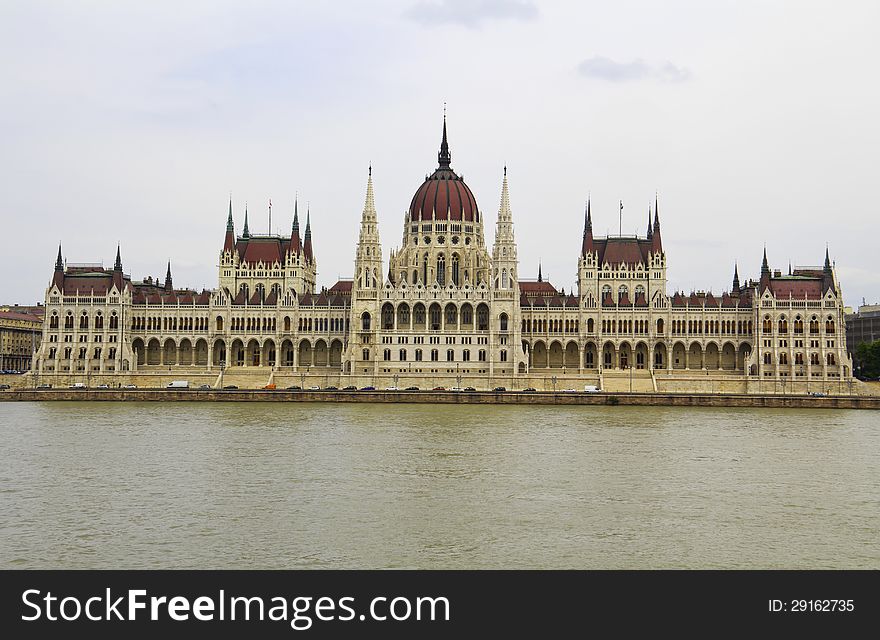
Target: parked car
391,389
103,386
129,386
368,388
295,387
350,387
818,394
230,387
591,388
314,388
269,387
529,390
469,389
499,389
205,387
178,384
439,389
44,386
412,388
569,391
331,388
455,388
77,385
4,387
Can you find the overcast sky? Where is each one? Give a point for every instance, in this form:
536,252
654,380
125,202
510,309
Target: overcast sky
131,122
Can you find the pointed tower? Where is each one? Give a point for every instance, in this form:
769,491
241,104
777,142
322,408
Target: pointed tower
540,278
657,242
228,255
650,233
117,270
735,290
368,256
588,279
504,258
362,355
245,232
827,273
307,242
765,272
229,241
58,276
169,286
506,351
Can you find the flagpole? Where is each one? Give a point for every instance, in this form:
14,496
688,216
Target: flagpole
270,216
620,230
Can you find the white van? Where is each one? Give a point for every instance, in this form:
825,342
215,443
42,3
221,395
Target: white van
78,385
591,388
178,384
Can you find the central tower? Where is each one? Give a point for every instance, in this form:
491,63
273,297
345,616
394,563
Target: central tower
443,239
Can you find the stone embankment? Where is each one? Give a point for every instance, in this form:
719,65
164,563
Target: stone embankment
449,397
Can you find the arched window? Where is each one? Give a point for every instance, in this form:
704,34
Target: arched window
53,321
425,270
441,270
503,319
365,322
84,321
640,291
621,292
387,316
219,323
660,326
783,325
482,318
99,321
505,283
767,325
455,265
590,325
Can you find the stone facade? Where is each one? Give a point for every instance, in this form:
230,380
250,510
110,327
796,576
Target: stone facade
450,312
20,334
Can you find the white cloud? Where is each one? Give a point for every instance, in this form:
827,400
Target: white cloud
602,68
471,13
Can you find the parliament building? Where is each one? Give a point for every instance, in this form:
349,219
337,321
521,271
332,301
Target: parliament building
444,309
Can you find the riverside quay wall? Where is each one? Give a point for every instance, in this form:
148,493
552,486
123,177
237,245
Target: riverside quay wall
448,397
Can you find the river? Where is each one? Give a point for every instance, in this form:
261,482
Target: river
299,485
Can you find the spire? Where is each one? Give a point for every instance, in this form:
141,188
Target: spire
118,265
444,158
295,228
369,202
168,285
650,228
245,233
789,267
229,242
657,241
765,271
827,272
59,261
307,242
540,277
735,278
587,244
504,213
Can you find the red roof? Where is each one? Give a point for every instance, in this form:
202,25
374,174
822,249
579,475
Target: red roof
797,288
532,289
629,251
342,286
14,315
265,250
444,196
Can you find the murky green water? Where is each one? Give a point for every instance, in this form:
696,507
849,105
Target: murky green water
250,485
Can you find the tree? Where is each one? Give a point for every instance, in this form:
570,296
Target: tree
867,359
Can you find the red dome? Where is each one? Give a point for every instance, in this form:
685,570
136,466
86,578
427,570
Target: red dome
444,195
